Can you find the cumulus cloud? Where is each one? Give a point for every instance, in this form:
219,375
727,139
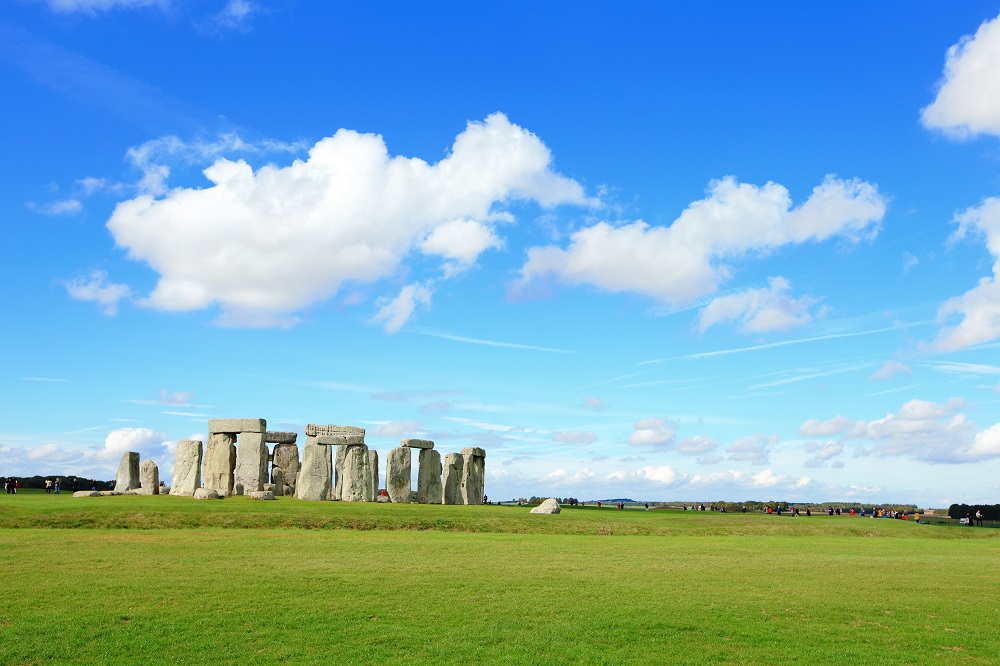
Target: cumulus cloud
755,449
664,474
697,444
394,313
818,428
821,452
279,239
148,443
968,99
95,287
575,437
689,259
653,432
978,309
761,310
891,370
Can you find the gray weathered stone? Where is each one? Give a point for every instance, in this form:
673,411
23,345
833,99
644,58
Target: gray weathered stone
416,443
357,476
474,451
238,489
277,482
87,493
314,430
548,506
315,473
429,477
286,458
127,477
373,471
206,493
236,426
338,472
187,467
340,440
451,479
149,478
251,461
397,474
473,479
261,495
220,461
274,437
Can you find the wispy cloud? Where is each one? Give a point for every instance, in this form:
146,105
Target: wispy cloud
811,375
966,368
892,390
490,343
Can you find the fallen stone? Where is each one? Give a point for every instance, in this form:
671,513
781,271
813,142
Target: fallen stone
314,430
397,475
340,440
315,475
187,467
261,495
548,506
474,451
357,476
286,458
206,493
87,493
149,478
417,443
236,426
251,461
373,472
429,477
273,437
109,493
473,478
127,477
220,461
451,478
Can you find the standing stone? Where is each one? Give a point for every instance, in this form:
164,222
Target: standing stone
187,468
251,461
357,476
451,480
127,477
315,474
473,475
149,478
286,459
397,475
338,472
429,477
278,481
220,462
373,469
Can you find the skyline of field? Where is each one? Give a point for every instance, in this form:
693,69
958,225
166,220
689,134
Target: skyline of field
692,250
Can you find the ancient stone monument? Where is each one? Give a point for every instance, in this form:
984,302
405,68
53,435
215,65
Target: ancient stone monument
473,475
548,506
187,468
315,474
285,458
220,462
373,468
357,475
127,477
338,472
149,478
397,475
429,489
277,482
250,469
451,480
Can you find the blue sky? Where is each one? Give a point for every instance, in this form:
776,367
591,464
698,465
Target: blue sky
668,251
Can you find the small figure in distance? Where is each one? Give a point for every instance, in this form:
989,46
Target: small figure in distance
76,484
647,506
48,486
808,512
58,484
830,511
743,508
979,517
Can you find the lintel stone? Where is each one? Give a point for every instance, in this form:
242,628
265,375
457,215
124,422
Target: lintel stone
273,437
237,425
340,440
314,430
417,443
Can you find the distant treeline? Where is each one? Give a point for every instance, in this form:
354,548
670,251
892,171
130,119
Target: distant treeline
990,511
66,482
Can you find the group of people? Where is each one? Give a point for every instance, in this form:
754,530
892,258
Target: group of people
49,485
975,518
10,485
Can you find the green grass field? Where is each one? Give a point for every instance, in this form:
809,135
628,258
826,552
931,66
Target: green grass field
172,580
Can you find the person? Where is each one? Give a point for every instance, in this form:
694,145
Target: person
17,485
830,511
770,510
971,519
48,486
808,512
743,508
647,506
979,517
598,505
76,484
58,483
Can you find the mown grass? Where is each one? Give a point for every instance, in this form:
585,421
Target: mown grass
484,585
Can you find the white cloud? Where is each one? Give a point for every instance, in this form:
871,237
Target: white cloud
398,429
696,444
461,242
978,308
94,6
236,15
761,310
593,404
575,437
94,287
755,449
397,311
653,432
968,100
166,397
146,442
891,370
687,260
664,474
817,428
282,238
822,452
60,207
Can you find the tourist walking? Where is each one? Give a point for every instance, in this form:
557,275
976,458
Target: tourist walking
48,486
58,483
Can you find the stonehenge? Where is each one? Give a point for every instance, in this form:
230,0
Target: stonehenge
237,462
